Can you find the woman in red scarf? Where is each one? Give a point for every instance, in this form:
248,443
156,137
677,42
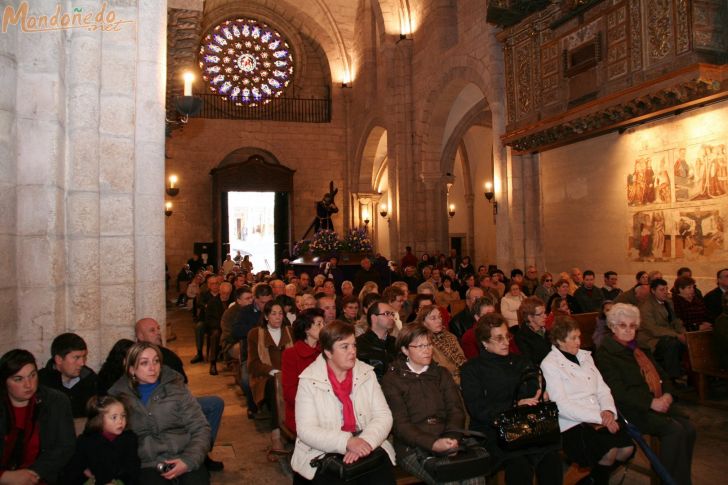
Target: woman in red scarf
340,409
643,393
37,437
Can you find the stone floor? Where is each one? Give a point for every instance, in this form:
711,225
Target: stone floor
241,443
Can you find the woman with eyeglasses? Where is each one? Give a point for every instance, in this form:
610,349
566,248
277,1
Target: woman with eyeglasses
295,359
591,434
643,391
490,382
546,288
446,349
425,404
530,335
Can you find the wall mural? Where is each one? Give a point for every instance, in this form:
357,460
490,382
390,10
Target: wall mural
678,198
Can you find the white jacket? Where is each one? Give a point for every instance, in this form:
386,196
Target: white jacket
578,390
319,415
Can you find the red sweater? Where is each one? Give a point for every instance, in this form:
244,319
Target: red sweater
295,359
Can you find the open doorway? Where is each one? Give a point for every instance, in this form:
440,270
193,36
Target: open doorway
251,227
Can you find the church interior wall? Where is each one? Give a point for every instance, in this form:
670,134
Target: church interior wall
595,215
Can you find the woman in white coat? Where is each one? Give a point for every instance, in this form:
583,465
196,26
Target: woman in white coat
592,436
340,408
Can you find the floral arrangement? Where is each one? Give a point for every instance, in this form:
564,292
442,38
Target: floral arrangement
300,248
357,241
324,242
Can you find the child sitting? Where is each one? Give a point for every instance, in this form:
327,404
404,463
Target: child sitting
106,452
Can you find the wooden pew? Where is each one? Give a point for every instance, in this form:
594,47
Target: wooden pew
456,307
587,323
704,359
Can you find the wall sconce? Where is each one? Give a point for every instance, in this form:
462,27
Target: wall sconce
489,195
451,211
384,211
365,215
167,209
186,105
171,189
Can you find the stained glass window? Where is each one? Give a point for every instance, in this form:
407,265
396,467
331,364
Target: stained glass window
246,61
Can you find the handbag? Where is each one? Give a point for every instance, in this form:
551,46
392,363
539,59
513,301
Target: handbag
333,464
528,426
469,460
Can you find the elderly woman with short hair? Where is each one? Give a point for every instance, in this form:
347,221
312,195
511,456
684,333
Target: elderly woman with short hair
642,391
530,335
591,435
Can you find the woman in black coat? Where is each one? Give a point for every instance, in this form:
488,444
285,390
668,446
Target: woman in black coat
489,383
531,336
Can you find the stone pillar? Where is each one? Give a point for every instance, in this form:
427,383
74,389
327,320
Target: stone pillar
8,182
81,184
469,208
149,160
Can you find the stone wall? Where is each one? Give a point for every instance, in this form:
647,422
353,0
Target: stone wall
314,151
588,220
82,176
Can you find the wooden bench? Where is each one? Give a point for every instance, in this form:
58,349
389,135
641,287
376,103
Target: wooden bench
704,359
286,433
587,323
456,307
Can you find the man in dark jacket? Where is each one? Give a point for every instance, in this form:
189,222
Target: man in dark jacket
610,289
588,296
66,371
714,297
366,273
461,322
376,346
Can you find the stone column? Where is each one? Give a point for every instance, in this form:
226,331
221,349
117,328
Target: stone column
149,160
8,181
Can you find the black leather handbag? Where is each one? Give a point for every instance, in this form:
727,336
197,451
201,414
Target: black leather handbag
528,426
469,460
333,464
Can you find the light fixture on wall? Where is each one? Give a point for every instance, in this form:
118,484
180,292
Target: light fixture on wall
490,196
171,189
186,105
384,211
451,211
167,209
365,216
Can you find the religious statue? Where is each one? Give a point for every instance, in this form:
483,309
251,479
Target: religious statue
324,208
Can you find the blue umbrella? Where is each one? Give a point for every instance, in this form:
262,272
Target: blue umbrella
657,465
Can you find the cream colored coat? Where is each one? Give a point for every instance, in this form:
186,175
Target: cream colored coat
319,415
578,390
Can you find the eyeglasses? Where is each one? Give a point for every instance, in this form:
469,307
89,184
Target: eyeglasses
539,314
548,279
387,313
499,340
421,346
624,326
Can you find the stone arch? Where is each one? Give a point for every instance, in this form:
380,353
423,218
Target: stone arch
365,155
436,109
476,115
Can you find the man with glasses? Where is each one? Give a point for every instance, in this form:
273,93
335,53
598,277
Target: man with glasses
376,346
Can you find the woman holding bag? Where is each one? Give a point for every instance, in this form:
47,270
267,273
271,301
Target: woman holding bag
425,404
490,382
340,409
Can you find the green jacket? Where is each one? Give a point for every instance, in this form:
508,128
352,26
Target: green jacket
654,323
171,425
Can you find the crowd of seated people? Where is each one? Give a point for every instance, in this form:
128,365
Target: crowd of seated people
360,382
404,333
